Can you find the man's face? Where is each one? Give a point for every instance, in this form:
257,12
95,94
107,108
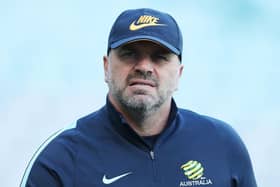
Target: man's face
142,75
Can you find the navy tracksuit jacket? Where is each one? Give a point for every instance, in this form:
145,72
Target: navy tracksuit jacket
101,150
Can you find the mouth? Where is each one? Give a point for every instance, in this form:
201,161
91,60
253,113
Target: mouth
142,82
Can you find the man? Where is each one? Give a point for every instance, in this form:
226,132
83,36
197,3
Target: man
140,138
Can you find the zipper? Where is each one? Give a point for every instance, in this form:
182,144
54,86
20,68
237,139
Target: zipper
152,156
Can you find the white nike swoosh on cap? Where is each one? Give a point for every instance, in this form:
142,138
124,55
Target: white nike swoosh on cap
105,180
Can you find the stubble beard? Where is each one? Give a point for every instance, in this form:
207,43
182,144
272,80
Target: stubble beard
138,107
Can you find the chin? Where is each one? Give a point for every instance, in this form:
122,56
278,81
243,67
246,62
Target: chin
141,99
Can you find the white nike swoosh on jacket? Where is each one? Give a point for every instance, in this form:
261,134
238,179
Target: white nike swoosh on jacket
105,180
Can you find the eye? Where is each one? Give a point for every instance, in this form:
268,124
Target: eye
127,53
160,57
163,57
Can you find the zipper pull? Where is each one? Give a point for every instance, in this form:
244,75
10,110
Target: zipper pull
152,154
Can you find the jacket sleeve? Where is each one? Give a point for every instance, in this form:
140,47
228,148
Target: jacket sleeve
52,165
242,173
42,175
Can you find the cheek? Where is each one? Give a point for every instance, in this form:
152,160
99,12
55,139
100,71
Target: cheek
170,80
117,75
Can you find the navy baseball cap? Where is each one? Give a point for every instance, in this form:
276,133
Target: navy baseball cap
146,24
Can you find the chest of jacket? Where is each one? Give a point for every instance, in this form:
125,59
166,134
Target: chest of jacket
178,162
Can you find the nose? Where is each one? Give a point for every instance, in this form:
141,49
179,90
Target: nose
144,65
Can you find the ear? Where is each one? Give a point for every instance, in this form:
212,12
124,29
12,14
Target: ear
106,66
181,68
180,72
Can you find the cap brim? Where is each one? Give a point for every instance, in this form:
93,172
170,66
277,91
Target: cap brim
143,37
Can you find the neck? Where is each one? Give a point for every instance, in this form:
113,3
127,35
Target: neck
145,123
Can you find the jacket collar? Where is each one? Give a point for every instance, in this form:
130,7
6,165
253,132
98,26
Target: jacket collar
122,127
